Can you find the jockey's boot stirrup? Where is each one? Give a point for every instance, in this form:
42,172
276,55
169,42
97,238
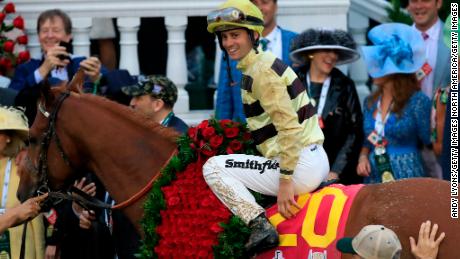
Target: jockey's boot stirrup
263,235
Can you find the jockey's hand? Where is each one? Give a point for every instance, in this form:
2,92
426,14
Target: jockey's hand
89,189
92,68
364,167
86,217
286,199
332,176
427,246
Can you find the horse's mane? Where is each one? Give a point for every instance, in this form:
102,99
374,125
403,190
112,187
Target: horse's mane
126,113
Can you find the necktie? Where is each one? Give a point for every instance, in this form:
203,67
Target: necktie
425,35
264,43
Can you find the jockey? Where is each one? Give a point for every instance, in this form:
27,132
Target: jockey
282,121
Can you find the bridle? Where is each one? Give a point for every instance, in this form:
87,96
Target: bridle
42,169
74,194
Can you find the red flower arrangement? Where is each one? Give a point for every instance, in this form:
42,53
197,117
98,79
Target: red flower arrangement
214,137
13,40
183,218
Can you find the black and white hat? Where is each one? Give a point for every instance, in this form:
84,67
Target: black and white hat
324,39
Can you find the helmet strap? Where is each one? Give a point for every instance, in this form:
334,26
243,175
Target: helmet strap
255,43
226,59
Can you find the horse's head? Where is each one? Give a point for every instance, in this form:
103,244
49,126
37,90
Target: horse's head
48,161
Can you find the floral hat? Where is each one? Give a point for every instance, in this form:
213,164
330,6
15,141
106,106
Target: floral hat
324,39
398,48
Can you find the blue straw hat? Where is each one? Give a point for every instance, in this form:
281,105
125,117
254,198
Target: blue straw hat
398,48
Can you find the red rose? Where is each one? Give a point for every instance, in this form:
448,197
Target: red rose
225,123
216,141
208,132
203,124
231,132
247,136
229,151
216,228
235,145
22,39
8,46
9,8
203,254
2,17
23,56
208,152
5,62
18,22
192,132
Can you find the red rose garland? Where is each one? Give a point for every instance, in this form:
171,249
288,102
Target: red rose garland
191,215
190,222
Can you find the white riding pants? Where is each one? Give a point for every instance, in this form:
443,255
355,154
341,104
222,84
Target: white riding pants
229,176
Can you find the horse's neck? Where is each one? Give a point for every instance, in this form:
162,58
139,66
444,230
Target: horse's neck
121,153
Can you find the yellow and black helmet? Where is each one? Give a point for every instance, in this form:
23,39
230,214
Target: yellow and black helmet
236,14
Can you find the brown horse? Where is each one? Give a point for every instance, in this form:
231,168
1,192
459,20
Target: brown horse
125,152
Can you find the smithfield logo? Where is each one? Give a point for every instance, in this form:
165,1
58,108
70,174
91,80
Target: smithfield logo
252,164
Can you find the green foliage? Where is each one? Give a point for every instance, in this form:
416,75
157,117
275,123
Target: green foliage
396,14
232,240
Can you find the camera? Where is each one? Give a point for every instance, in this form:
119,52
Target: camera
68,49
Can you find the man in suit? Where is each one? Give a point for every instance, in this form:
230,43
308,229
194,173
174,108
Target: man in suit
57,64
274,39
436,70
424,13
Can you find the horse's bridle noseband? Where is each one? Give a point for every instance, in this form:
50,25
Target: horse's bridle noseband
42,169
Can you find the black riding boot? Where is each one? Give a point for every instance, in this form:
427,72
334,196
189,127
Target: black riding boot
263,235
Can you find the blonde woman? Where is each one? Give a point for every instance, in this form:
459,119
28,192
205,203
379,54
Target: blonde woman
13,132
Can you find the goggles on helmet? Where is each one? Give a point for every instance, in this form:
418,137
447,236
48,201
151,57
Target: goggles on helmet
233,15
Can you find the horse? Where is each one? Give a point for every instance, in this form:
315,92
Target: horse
75,132
127,153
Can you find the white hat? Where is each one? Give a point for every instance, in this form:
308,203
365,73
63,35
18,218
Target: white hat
372,242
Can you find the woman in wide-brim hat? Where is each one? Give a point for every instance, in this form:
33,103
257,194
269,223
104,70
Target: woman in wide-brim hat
397,114
318,51
13,133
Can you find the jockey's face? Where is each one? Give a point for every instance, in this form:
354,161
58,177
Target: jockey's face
51,32
237,43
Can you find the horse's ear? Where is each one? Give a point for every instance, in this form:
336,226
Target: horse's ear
46,94
76,85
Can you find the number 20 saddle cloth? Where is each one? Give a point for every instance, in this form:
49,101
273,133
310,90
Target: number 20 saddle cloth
316,228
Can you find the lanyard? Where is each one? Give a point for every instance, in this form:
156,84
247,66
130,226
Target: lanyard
6,183
324,90
165,122
379,126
